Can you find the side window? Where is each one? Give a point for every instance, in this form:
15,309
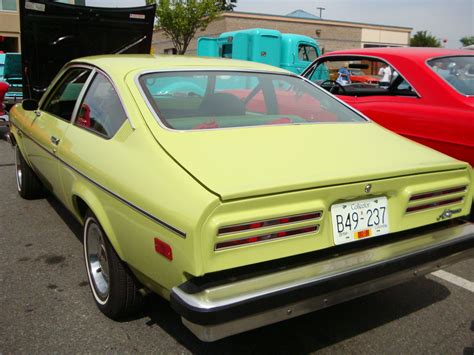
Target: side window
306,53
101,110
63,97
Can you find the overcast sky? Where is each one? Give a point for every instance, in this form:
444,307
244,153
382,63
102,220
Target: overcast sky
450,19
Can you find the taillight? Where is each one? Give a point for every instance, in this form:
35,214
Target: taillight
269,222
434,204
445,199
266,237
437,193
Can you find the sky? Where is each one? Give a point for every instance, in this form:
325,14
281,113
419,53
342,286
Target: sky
446,19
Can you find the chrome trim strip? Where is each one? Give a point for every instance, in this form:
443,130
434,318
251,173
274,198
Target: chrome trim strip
235,70
110,192
81,95
329,55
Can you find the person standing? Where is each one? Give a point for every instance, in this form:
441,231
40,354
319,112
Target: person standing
344,75
386,73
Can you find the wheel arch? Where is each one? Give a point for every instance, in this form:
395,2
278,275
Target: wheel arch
83,200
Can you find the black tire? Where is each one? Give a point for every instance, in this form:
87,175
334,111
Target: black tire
27,183
114,288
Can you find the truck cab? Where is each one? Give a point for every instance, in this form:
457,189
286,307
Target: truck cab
292,52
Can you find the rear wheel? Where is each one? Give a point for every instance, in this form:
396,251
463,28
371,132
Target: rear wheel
113,286
27,183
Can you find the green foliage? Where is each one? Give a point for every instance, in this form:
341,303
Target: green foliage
424,39
181,19
467,41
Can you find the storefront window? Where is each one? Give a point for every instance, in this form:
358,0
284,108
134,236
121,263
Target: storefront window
8,5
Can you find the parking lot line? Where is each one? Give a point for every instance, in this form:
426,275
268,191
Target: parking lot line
455,280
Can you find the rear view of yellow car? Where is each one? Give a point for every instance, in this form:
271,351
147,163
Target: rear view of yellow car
242,193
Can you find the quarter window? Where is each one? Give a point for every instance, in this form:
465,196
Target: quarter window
63,97
101,111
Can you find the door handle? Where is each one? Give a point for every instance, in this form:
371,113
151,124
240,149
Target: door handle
55,140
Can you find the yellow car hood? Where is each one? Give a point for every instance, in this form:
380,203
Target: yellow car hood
251,161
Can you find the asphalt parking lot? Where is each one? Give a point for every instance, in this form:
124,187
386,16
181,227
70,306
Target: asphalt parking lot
46,306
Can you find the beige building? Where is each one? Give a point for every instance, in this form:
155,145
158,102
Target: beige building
9,26
331,35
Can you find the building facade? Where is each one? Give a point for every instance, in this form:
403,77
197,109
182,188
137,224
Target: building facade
9,26
331,35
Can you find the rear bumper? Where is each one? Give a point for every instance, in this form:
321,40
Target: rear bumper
219,305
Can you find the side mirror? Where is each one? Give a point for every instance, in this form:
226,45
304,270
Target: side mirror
29,105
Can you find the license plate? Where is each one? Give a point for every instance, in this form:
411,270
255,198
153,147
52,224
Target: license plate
360,219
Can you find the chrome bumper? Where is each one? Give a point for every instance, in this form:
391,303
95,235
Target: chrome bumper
220,305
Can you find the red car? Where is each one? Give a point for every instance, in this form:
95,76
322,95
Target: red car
3,115
425,94
358,76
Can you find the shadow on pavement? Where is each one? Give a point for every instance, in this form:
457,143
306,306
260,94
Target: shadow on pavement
303,334
313,331
65,215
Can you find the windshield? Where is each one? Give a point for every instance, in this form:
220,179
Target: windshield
221,99
457,71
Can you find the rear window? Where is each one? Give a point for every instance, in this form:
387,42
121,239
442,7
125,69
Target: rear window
221,99
457,71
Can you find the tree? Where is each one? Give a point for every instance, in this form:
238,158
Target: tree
467,41
424,39
180,19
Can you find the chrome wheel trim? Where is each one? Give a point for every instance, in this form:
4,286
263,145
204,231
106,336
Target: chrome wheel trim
96,258
18,171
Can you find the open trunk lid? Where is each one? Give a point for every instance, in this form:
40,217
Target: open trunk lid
54,33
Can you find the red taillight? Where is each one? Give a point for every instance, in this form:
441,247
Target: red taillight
270,222
437,193
163,249
238,242
434,204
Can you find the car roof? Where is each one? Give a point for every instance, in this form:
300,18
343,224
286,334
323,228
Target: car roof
124,63
414,53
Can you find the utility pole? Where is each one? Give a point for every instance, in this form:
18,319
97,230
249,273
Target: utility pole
321,11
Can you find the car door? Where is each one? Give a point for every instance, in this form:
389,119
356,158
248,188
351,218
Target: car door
50,123
89,146
307,53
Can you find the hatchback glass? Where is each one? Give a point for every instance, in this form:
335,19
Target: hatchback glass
222,99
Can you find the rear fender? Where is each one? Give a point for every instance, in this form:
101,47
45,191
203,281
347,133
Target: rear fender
93,202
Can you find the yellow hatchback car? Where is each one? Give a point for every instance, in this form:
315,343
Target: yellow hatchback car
242,193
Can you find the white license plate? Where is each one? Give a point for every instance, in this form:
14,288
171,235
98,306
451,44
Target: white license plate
360,219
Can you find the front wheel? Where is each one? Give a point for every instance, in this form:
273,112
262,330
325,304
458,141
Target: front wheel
113,286
27,183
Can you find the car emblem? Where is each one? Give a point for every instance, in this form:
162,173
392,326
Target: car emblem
367,189
447,213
